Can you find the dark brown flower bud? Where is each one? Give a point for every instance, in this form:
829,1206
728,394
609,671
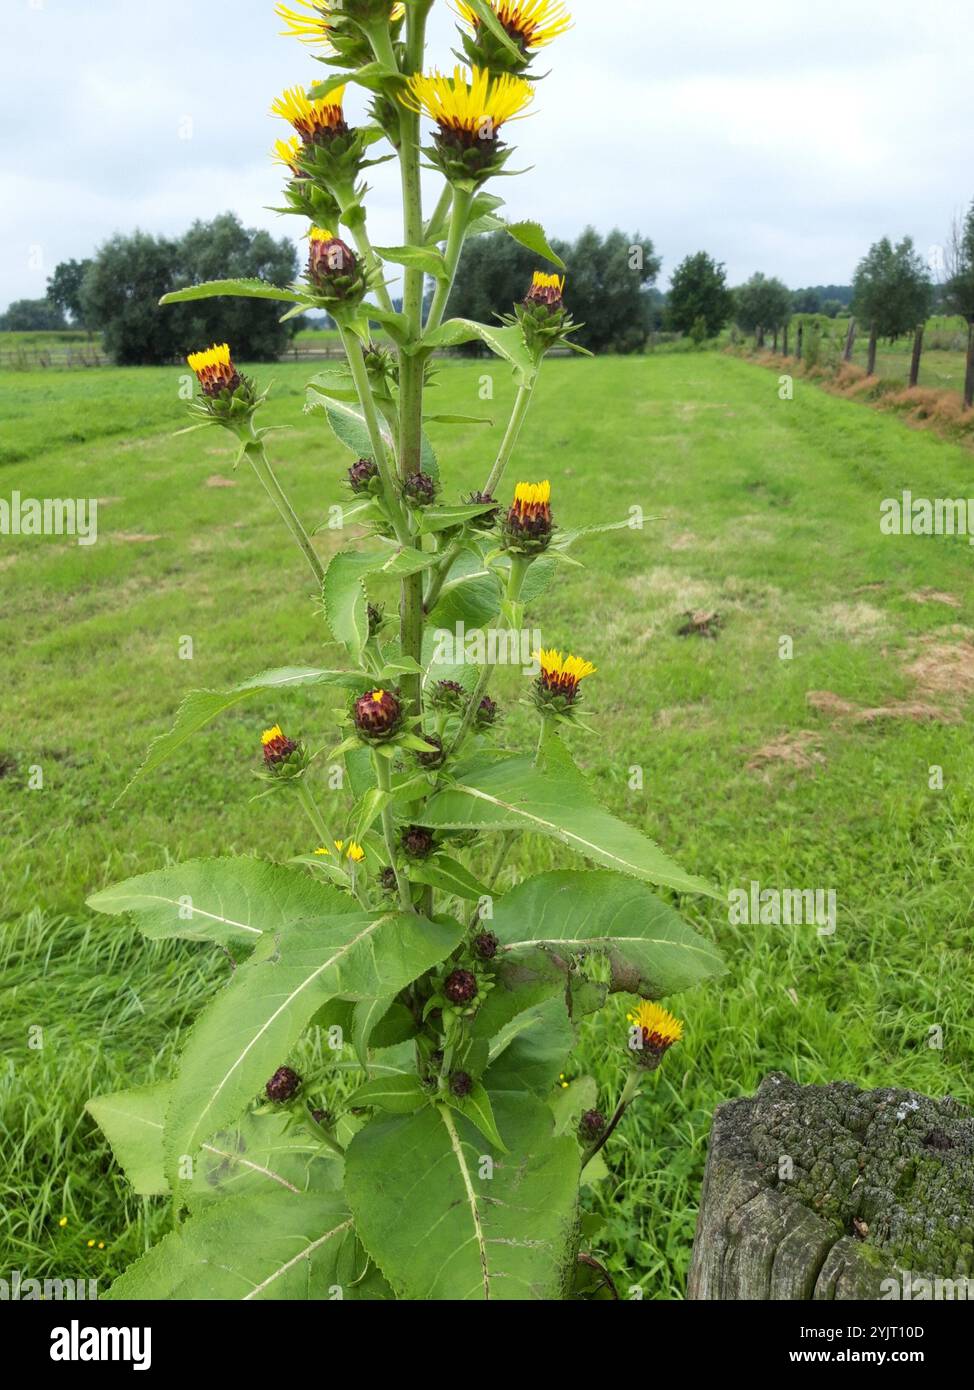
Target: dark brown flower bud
283,1084
448,695
376,616
419,489
460,987
378,714
418,842
529,525
477,499
388,880
434,758
331,264
360,474
545,290
590,1126
460,1084
486,713
485,945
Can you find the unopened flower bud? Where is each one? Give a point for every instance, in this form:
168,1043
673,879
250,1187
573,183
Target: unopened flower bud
460,987
418,842
461,1084
215,371
333,268
485,945
361,475
283,1084
419,489
654,1032
278,748
448,695
528,525
590,1126
434,758
378,715
486,713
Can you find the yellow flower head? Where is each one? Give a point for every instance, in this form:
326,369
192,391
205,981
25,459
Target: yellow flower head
561,674
269,735
286,152
543,281
473,107
658,1027
320,234
315,26
531,23
214,369
532,494
312,118
355,852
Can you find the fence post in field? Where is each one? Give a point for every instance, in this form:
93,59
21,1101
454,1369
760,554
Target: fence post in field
917,352
850,340
784,346
774,342
800,341
779,1216
969,377
873,341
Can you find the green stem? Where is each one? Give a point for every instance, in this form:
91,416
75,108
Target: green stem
523,399
515,581
629,1092
454,245
262,467
360,376
356,225
440,211
383,777
325,836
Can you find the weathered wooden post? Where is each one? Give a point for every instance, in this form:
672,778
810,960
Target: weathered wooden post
801,338
850,341
917,352
774,342
785,344
969,377
829,1192
871,359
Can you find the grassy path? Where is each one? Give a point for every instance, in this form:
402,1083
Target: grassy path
770,518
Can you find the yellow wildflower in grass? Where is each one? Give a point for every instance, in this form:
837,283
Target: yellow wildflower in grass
561,674
465,105
214,369
63,1222
311,117
532,23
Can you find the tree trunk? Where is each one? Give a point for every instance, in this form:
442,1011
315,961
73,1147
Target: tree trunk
873,341
825,1192
785,345
774,342
917,352
850,340
969,378
759,341
801,339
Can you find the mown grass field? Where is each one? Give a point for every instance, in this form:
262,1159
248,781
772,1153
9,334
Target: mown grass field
769,516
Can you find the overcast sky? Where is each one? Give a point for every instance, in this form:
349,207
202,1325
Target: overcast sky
779,137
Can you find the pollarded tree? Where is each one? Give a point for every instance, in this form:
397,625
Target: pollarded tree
891,292
764,302
698,291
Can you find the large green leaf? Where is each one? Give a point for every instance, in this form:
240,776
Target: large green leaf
532,1051
344,593
277,1246
443,1224
239,289
515,795
230,901
200,706
650,949
349,427
502,342
132,1122
251,1027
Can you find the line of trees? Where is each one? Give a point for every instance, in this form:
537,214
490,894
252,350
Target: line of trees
611,281
117,293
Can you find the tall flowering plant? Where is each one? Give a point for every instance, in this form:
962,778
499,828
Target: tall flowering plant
430,1146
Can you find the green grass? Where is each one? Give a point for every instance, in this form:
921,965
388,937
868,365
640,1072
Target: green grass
770,516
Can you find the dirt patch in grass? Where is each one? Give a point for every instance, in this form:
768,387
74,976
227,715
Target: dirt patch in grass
943,668
857,622
133,537
217,480
798,751
921,711
926,595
